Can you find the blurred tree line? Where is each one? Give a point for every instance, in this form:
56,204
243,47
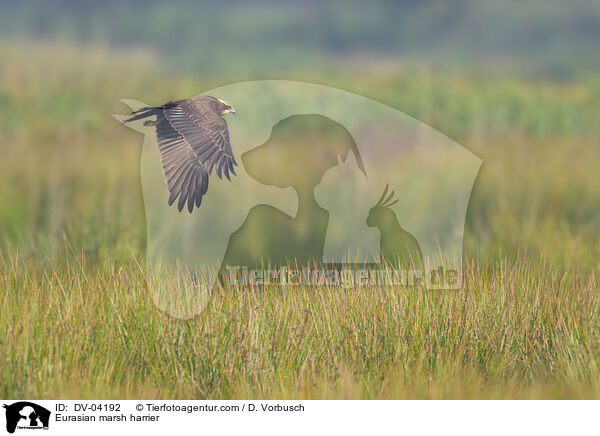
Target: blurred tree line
548,38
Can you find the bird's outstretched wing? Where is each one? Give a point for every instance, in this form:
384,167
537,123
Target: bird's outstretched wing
185,174
192,138
205,130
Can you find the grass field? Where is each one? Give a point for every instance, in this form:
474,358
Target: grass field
519,329
77,320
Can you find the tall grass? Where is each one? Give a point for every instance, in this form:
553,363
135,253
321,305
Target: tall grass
518,329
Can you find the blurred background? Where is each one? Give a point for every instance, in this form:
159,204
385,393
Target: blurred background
516,82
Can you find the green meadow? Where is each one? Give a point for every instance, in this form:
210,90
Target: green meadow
77,319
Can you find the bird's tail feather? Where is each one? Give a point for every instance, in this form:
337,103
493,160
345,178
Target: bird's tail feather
144,112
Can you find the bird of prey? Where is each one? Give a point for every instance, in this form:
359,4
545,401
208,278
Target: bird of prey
193,139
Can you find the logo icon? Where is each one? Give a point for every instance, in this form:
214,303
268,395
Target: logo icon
26,415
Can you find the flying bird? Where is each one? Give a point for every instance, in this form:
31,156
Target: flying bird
193,139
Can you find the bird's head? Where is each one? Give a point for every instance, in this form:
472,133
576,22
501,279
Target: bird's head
225,108
381,214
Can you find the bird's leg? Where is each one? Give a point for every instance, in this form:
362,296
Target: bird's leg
152,123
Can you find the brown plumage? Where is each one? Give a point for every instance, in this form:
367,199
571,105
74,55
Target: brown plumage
193,139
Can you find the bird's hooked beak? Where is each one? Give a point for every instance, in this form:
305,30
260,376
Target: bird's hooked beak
232,110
